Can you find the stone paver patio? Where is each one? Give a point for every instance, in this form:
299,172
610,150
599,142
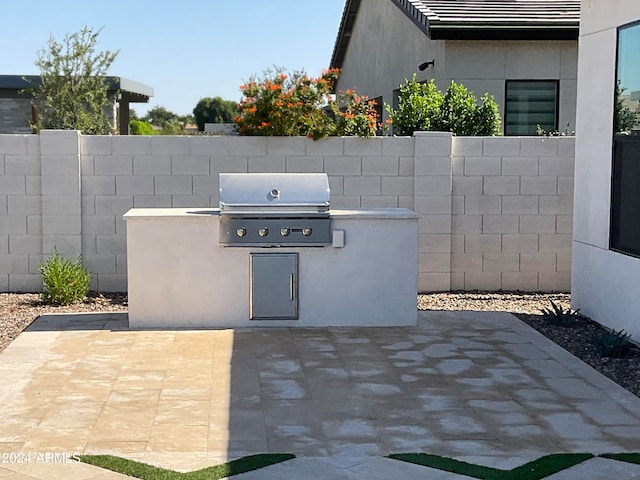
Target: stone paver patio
480,387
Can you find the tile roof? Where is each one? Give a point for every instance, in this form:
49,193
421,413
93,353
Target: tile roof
493,13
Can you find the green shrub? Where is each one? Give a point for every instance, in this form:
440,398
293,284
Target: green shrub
140,127
613,343
419,106
423,107
64,282
559,316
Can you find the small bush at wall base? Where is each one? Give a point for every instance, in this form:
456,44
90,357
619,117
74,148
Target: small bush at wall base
613,343
64,282
559,316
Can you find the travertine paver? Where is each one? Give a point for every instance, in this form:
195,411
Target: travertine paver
475,386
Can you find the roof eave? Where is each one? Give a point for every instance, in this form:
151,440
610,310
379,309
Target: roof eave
137,91
503,32
344,33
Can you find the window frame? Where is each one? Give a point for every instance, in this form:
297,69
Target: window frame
556,119
618,144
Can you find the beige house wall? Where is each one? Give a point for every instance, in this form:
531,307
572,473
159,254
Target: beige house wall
605,283
386,48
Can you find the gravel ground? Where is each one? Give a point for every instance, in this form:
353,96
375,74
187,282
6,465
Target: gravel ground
17,311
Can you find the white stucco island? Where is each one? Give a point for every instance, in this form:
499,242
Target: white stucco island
179,276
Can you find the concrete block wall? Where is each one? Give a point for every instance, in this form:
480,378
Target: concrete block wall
512,213
432,202
20,212
119,173
495,213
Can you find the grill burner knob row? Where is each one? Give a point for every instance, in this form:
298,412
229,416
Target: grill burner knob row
263,231
241,232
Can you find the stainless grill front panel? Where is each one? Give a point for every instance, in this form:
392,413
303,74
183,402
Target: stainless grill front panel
290,231
274,209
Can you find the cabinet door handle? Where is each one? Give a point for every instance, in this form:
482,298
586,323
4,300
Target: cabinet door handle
291,292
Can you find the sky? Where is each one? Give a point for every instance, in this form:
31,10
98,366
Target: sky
185,51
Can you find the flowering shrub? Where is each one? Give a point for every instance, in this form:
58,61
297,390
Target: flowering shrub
354,115
286,105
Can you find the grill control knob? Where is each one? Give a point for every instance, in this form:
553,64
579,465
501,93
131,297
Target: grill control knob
241,232
306,231
285,231
263,231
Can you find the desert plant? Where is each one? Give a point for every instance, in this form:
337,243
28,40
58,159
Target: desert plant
559,316
64,282
73,92
612,343
555,133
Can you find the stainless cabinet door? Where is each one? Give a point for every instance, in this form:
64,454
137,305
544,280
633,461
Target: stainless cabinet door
274,286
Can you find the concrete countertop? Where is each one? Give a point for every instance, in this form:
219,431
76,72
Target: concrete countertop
374,213
150,213
196,212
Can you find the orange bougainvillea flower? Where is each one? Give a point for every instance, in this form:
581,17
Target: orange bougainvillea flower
279,103
274,87
282,76
252,109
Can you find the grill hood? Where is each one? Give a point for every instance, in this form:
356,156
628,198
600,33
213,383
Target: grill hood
274,192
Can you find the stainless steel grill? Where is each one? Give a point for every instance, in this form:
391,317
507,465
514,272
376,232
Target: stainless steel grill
274,209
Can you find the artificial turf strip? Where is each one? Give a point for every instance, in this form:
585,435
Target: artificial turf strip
149,472
623,457
536,470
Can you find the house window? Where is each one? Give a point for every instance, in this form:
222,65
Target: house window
625,195
529,104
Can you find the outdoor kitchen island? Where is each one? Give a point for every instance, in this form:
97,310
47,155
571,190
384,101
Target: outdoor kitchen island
181,276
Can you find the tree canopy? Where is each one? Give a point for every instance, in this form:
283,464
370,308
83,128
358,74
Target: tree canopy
214,110
159,116
73,93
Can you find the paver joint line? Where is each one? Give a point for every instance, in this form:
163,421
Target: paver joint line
460,384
